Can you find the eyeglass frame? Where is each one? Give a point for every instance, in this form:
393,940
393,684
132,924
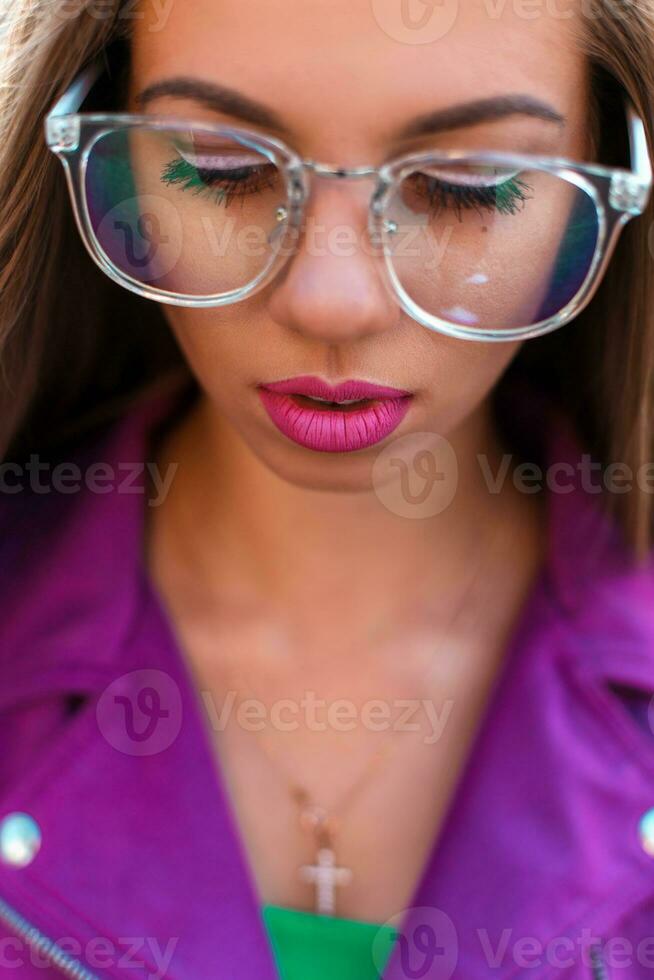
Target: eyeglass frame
618,193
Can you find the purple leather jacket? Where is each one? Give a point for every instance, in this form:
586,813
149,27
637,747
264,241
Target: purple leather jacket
120,856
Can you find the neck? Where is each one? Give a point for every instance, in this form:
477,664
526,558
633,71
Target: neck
252,536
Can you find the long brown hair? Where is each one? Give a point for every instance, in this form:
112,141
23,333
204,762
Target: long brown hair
75,348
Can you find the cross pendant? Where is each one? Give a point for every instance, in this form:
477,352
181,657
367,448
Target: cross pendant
326,876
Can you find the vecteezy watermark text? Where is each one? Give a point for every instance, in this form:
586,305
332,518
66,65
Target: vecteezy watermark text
143,953
43,478
315,714
141,713
154,13
563,476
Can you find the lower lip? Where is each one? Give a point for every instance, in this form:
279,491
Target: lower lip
329,430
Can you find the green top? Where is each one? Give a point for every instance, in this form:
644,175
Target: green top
324,947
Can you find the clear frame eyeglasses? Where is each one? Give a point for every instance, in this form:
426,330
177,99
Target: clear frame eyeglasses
480,246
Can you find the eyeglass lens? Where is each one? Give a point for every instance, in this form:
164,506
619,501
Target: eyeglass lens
476,245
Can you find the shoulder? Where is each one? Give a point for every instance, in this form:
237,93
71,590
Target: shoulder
70,544
601,596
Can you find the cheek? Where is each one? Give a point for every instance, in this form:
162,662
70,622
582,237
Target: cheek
464,373
217,345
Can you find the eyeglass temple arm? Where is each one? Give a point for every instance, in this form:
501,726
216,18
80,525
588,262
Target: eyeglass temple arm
73,97
640,159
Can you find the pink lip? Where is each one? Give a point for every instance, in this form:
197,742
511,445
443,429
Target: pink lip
332,430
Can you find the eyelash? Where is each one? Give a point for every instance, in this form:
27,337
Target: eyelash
220,185
224,186
505,198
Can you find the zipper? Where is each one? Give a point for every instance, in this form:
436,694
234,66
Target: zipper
598,965
59,958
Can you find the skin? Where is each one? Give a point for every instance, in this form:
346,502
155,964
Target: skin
280,568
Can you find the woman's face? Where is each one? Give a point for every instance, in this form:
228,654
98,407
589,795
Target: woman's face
340,80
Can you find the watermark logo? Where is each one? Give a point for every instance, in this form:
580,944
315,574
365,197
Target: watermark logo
416,476
416,21
140,713
143,234
426,945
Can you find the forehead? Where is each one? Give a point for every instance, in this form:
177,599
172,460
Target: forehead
364,64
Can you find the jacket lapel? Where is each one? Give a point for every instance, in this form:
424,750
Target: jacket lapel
139,846
540,858
140,863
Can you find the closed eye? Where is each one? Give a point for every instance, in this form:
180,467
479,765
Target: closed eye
503,194
221,177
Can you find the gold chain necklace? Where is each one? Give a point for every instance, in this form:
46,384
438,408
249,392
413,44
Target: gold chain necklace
325,874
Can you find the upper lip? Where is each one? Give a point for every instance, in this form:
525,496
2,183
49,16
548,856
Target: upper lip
352,389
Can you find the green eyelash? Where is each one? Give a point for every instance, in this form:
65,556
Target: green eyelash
221,186
507,197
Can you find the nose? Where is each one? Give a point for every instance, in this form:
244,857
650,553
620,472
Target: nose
331,288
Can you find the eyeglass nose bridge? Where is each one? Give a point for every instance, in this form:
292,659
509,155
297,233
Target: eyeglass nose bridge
339,173
300,192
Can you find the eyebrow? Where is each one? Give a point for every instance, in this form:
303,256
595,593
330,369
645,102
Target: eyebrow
216,97
220,98
481,110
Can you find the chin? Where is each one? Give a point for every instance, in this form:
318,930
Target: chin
324,472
